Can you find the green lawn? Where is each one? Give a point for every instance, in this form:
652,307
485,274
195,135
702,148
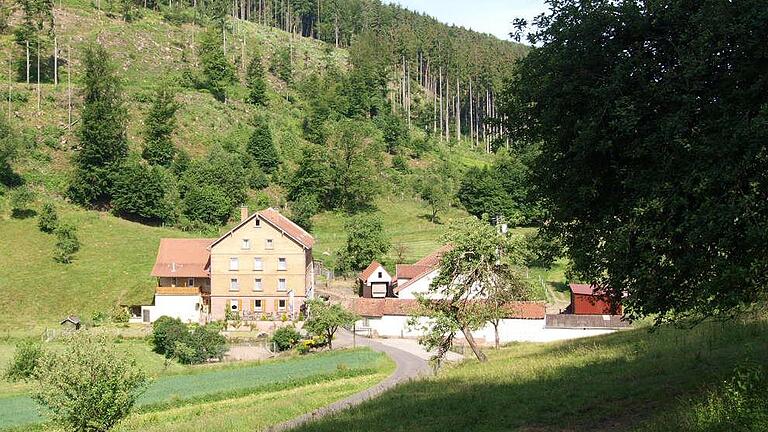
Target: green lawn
181,396
611,382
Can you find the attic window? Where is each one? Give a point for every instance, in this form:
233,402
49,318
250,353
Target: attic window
257,223
380,275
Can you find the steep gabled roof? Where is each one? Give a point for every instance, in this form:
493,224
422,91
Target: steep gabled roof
422,268
182,258
281,223
368,272
418,277
409,271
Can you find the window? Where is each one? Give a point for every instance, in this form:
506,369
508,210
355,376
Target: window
246,244
233,285
281,285
281,264
257,305
234,264
257,284
281,305
270,244
174,282
191,282
257,223
380,275
258,264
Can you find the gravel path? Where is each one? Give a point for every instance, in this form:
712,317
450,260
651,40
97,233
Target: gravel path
408,367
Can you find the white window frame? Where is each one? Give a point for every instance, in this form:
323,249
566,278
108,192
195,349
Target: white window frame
260,266
245,244
283,307
260,307
269,244
282,264
258,285
234,284
282,282
234,305
234,264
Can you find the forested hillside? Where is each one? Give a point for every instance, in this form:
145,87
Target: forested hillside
174,115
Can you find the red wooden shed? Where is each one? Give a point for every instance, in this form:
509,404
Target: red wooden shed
586,299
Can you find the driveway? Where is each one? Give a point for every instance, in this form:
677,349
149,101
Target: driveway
408,366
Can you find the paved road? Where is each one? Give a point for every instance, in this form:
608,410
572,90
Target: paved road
408,367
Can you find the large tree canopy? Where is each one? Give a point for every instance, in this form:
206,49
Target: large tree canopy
652,123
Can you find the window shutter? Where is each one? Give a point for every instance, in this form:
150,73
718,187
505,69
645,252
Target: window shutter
276,304
239,305
229,304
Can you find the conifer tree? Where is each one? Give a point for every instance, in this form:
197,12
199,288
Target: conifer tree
103,142
218,72
261,148
48,220
159,126
255,82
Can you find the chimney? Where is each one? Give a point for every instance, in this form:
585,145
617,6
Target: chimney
243,213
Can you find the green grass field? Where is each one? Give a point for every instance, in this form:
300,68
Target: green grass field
612,382
181,395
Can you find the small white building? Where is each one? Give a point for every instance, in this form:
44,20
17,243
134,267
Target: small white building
184,303
375,281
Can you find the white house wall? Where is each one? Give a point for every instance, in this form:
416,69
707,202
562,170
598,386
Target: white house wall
385,277
420,286
510,330
185,308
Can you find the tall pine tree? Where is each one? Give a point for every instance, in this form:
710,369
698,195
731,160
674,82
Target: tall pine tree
103,142
261,148
255,82
159,126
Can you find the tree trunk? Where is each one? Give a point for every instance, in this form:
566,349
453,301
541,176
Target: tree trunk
55,61
496,333
471,116
27,62
472,344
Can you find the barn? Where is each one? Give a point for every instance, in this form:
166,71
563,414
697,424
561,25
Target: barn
375,282
587,299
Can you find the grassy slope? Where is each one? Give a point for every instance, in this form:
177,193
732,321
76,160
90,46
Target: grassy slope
179,393
611,382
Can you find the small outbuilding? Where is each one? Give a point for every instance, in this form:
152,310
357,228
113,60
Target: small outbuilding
375,282
588,299
71,322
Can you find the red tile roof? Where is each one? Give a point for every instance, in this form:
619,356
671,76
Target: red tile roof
409,271
282,223
365,274
368,307
433,259
585,289
182,258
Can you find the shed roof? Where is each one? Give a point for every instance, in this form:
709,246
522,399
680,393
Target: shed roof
585,289
182,258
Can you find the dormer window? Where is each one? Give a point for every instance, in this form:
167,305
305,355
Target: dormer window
246,244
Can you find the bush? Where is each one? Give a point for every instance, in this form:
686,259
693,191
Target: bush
25,361
48,220
88,386
173,339
286,338
120,315
20,199
66,245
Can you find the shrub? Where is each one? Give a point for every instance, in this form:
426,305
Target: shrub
25,361
285,338
174,339
66,245
48,220
88,386
166,331
120,315
20,199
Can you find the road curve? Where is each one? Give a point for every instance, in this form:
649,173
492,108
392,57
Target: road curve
408,367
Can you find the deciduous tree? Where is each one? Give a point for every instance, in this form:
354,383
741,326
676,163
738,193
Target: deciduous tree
326,318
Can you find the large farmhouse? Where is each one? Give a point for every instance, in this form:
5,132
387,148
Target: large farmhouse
260,268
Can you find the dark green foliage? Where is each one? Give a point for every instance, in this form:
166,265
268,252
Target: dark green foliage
67,244
285,338
303,209
325,318
25,361
256,82
436,189
174,339
159,125
8,152
366,241
395,131
352,173
218,72
281,64
651,122
257,178
540,250
36,28
180,163
400,163
261,148
48,219
20,199
313,175
103,143
213,187
144,193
